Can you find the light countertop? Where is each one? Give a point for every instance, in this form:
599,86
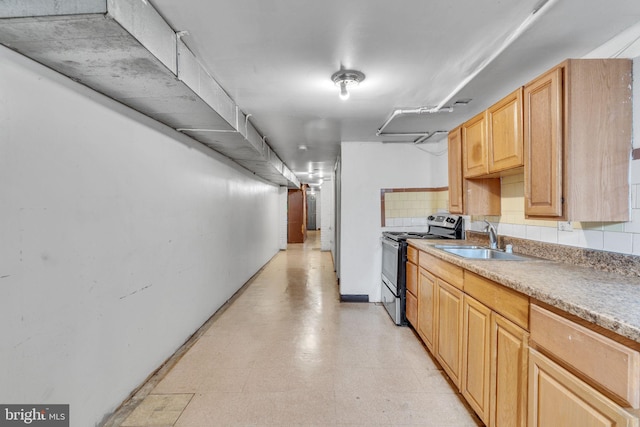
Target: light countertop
606,299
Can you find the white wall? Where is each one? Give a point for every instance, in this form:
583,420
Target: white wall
283,222
367,167
327,225
118,239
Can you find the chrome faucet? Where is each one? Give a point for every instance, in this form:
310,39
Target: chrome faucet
493,235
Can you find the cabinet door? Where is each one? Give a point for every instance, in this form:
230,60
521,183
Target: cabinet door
474,146
412,278
426,308
456,183
559,399
412,309
449,332
509,356
504,123
475,385
412,293
543,142
612,365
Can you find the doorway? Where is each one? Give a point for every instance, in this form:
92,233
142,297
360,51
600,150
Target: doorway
311,210
296,216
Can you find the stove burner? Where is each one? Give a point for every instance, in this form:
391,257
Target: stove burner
441,226
404,235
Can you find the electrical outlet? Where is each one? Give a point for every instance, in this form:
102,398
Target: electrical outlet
565,226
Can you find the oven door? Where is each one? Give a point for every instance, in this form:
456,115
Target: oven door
390,256
391,302
391,291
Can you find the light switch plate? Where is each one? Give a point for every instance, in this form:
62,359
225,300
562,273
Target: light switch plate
565,226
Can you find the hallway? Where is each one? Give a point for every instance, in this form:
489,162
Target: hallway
286,352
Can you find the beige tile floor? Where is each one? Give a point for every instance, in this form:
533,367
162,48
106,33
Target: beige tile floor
286,352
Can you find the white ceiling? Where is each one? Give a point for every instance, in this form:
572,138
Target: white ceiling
275,58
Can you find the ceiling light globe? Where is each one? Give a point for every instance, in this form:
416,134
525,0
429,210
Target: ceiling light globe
344,78
344,93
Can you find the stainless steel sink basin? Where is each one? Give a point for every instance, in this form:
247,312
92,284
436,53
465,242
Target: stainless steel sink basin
479,252
459,247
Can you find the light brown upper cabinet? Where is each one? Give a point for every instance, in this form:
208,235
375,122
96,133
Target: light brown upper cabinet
577,141
505,136
492,140
474,146
543,170
470,197
456,189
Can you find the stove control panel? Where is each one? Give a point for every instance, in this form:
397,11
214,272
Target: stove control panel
443,220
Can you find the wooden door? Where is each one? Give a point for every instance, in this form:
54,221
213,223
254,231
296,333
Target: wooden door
476,353
412,294
559,399
426,308
474,146
456,190
449,332
504,125
543,142
509,357
296,217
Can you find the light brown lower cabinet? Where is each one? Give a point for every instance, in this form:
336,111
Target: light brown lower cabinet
440,312
560,399
412,309
476,362
497,347
427,308
412,294
509,372
494,376
449,330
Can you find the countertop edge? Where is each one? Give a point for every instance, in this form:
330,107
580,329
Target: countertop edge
498,271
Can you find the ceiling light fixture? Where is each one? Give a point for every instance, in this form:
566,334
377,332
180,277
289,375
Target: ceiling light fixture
346,78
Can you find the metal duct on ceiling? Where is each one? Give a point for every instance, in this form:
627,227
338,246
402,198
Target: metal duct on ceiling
127,51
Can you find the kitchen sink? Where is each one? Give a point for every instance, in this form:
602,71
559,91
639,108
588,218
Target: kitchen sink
459,247
480,252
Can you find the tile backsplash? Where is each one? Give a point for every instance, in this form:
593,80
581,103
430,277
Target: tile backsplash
622,237
407,207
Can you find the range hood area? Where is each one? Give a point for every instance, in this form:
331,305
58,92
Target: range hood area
125,50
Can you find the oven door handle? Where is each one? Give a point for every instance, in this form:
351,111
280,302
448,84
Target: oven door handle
389,284
394,245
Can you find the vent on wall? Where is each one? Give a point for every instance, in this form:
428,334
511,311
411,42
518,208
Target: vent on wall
125,50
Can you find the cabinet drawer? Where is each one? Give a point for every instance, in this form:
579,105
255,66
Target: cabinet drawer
558,398
609,363
448,272
509,303
412,254
412,278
